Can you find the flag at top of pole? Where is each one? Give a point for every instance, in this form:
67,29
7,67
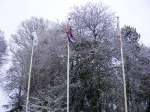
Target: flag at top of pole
69,33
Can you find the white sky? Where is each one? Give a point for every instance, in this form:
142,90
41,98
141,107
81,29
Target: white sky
131,12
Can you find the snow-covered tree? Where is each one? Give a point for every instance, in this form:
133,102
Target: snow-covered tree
3,46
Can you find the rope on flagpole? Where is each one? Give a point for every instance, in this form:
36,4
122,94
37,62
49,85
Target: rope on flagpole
68,69
123,68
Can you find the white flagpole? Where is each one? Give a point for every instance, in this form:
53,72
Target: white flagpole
30,69
123,69
68,69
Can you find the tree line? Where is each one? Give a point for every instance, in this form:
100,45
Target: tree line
96,83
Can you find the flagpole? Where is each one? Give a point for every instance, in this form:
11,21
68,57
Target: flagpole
123,68
30,72
68,69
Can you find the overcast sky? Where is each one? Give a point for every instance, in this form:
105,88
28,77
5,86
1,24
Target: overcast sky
131,12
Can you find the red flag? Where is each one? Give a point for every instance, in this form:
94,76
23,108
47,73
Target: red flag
70,35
